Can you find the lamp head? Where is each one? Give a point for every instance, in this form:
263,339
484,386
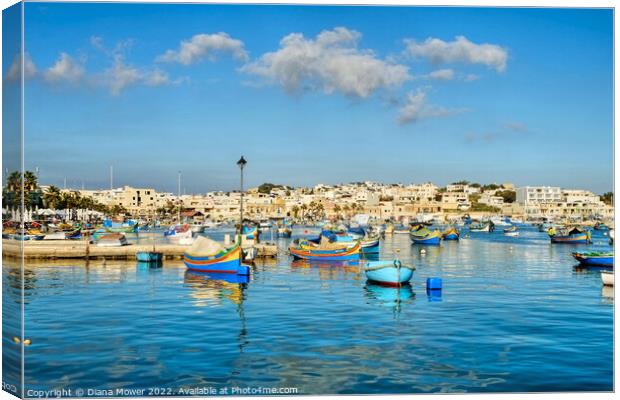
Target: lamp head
241,163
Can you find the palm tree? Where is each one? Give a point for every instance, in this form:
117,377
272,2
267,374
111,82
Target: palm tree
51,197
30,181
295,211
14,182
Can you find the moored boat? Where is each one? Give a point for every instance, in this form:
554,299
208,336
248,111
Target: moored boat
325,251
487,226
425,236
511,231
391,273
607,277
112,240
450,234
207,255
574,235
595,259
179,234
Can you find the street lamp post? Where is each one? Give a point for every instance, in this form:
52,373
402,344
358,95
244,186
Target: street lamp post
241,163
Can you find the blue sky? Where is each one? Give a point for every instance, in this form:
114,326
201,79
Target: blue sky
318,94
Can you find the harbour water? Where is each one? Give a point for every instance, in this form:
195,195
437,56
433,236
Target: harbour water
515,314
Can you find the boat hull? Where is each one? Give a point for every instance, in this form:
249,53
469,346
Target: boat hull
451,236
595,261
607,278
572,239
345,254
434,238
388,275
229,262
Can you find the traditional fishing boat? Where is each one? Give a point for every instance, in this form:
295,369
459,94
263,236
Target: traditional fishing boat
595,258
425,236
607,277
599,226
325,251
574,235
74,235
368,244
390,273
112,240
206,255
487,226
511,231
450,234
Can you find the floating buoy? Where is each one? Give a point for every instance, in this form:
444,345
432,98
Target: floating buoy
433,283
423,251
27,342
16,339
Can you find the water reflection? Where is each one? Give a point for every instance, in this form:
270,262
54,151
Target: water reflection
391,297
212,289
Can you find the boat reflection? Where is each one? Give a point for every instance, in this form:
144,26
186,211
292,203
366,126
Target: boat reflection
607,293
330,270
390,297
212,289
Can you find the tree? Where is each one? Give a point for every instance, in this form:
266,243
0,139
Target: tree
295,211
491,186
509,196
51,197
608,198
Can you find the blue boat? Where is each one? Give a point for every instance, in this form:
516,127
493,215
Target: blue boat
575,235
425,236
390,273
206,255
149,256
450,234
595,259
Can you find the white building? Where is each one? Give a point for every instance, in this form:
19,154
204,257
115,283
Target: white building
538,194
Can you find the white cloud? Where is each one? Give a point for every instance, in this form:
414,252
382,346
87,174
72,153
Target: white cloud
156,78
205,46
331,62
30,70
121,75
471,77
65,69
417,108
461,50
442,74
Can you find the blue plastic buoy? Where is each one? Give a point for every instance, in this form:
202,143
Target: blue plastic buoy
433,283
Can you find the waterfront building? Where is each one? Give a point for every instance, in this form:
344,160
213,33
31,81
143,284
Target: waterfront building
538,194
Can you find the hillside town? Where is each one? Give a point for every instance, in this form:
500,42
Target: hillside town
396,202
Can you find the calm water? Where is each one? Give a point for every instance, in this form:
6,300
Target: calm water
514,315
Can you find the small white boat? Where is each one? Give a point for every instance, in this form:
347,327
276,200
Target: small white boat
607,277
511,233
60,235
112,240
197,228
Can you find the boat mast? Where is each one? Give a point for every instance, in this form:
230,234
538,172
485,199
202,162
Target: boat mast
179,198
241,163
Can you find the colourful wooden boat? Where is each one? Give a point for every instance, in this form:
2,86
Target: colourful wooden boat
224,260
249,232
311,251
450,234
425,236
390,273
595,259
575,235
369,244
